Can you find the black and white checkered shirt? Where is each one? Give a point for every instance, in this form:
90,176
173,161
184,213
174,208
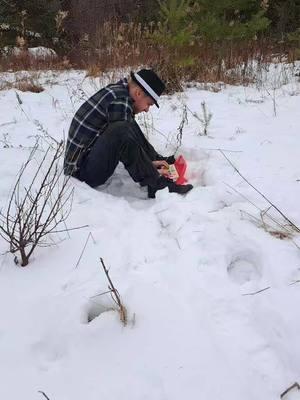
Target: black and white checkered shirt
109,104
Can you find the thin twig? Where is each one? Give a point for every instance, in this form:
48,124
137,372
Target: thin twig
259,291
218,149
44,394
70,229
295,385
100,294
294,282
86,242
178,244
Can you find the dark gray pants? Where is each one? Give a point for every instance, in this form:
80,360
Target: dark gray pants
121,141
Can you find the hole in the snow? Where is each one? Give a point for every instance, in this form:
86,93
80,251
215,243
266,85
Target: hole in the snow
95,308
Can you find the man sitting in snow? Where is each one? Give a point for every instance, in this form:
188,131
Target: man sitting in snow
104,132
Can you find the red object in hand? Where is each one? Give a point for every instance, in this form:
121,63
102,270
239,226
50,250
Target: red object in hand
180,165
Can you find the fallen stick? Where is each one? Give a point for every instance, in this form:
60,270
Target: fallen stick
44,394
259,291
295,385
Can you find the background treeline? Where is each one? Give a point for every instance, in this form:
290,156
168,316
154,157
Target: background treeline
182,37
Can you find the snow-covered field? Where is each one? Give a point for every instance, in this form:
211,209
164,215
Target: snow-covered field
190,270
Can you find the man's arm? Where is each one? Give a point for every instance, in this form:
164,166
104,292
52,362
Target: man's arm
149,149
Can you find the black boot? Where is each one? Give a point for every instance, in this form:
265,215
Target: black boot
160,184
164,182
180,189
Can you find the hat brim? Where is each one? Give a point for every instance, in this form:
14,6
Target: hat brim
144,90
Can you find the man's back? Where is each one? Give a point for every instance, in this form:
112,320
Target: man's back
109,104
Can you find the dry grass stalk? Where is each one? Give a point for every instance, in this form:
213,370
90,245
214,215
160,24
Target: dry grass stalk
278,230
90,235
115,296
93,70
290,223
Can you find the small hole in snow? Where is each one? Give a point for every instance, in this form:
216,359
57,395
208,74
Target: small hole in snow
94,309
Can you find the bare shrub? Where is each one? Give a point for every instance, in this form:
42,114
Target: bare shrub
28,85
204,119
24,84
34,211
26,62
183,122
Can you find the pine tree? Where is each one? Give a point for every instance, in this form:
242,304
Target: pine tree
229,19
285,16
33,20
175,26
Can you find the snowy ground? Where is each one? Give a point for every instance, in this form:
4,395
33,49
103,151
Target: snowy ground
185,266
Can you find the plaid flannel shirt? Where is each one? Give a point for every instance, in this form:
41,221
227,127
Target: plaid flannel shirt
109,104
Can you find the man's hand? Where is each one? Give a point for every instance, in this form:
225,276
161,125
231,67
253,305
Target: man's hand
162,167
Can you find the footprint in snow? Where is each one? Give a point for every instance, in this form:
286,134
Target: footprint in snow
49,350
244,267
